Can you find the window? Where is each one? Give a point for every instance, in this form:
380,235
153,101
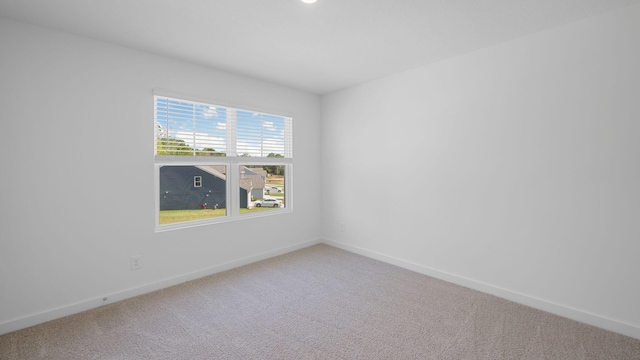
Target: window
263,186
204,151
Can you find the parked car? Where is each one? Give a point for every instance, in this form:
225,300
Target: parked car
272,189
268,203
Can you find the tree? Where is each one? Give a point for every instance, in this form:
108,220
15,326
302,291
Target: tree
173,146
209,152
277,169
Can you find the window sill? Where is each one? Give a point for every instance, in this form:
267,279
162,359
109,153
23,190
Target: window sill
220,220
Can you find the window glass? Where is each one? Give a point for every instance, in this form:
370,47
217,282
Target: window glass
181,200
203,150
189,128
262,187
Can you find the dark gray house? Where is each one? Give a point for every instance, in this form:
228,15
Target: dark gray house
197,187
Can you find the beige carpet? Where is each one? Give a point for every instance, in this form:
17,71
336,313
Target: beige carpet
316,303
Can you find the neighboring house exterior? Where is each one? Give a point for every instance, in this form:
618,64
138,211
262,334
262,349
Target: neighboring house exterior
255,179
197,187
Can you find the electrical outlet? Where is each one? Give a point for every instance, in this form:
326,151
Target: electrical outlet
136,262
342,226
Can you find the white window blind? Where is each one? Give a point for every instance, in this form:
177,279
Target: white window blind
198,129
262,135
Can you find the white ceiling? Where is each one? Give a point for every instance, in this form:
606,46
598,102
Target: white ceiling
319,48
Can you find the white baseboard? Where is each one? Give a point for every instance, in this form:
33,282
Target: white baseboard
544,305
537,303
42,317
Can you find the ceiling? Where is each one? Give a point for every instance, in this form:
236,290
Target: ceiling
319,48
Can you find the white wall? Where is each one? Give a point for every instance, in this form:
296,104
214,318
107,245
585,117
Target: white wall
77,175
514,170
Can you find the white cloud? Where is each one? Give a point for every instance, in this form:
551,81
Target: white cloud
202,140
253,149
209,111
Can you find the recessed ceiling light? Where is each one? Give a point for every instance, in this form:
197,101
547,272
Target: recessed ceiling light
308,1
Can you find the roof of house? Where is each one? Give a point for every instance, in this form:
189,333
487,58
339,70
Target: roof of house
247,182
216,170
253,181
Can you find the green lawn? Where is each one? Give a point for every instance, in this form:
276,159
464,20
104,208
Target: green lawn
174,216
279,196
277,181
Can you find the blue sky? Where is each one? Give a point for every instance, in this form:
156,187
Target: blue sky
205,126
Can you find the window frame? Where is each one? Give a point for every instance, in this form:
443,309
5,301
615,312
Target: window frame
197,181
232,163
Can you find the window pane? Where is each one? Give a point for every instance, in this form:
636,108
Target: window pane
190,191
189,128
182,198
262,188
262,135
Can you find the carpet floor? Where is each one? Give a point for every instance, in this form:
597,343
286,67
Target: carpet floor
316,303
